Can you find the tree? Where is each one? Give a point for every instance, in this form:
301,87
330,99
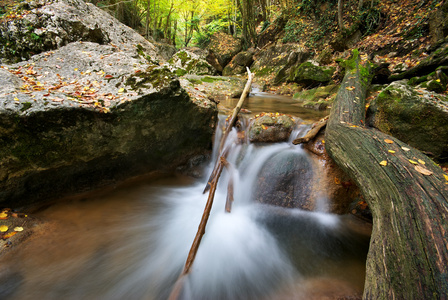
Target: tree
406,191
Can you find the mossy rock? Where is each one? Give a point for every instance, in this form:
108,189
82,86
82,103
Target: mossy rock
415,116
310,75
186,62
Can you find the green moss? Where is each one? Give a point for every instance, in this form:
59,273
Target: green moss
154,77
264,71
25,106
211,79
194,80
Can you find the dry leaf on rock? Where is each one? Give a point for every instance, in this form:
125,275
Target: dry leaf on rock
422,170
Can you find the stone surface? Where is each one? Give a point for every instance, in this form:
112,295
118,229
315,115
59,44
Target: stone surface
286,180
239,63
90,114
53,24
310,75
188,62
222,48
215,88
269,128
415,116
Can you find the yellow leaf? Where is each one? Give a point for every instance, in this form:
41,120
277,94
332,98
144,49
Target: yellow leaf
16,99
121,90
389,141
413,162
264,127
405,149
323,141
76,69
391,151
350,88
3,215
383,163
423,170
3,228
446,177
18,228
421,161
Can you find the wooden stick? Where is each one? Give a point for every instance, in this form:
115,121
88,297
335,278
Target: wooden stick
313,132
232,121
200,233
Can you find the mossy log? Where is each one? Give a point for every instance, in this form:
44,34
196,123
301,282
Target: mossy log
408,255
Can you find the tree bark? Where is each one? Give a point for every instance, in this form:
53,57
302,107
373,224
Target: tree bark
340,19
408,256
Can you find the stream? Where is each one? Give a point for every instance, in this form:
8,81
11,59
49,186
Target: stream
131,241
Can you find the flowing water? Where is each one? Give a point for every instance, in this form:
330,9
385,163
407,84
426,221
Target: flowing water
131,241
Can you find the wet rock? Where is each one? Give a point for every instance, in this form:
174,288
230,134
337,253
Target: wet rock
53,24
87,115
310,75
318,98
187,62
286,180
270,128
415,116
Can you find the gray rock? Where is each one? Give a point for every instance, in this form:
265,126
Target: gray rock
186,62
53,24
89,114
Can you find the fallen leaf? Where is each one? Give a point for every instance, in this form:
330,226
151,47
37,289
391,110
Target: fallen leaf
423,170
413,162
421,161
391,151
18,228
350,88
8,235
3,215
121,90
3,228
383,163
388,141
405,149
337,180
446,177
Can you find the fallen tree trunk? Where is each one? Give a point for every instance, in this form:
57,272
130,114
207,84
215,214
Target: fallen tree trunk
407,194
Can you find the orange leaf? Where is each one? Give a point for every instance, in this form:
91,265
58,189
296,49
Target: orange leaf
389,141
8,235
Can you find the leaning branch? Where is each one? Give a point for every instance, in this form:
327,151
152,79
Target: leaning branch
229,127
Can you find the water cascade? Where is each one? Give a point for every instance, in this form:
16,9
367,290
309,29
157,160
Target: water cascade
258,251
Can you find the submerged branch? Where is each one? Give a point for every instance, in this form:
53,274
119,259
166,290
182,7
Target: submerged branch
313,132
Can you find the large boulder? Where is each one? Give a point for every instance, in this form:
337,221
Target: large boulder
286,180
222,48
270,128
239,63
278,59
48,25
415,116
188,62
88,114
311,75
215,88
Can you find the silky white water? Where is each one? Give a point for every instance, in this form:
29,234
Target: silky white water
132,242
